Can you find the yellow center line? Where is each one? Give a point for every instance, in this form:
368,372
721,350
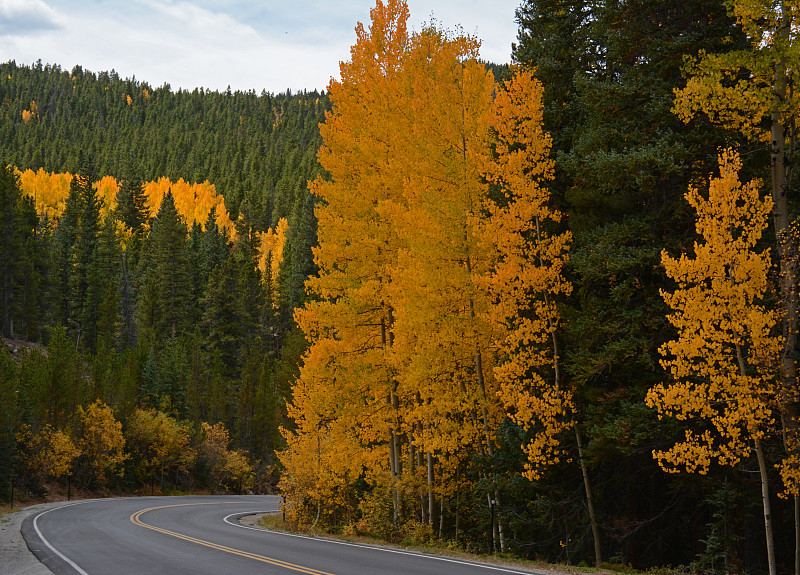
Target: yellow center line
136,520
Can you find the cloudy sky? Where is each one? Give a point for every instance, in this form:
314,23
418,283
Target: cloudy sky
259,44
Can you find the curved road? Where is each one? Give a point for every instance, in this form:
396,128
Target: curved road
201,535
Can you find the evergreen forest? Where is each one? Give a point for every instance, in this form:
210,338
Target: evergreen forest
546,309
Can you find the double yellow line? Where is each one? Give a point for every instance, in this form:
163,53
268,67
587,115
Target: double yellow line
136,520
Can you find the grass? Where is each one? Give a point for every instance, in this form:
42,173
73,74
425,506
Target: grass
275,522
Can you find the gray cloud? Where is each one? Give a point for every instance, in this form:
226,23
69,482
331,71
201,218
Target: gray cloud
25,17
268,44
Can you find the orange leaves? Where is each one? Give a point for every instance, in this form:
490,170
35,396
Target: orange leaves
102,442
50,453
193,201
49,191
424,282
529,259
33,112
270,249
726,356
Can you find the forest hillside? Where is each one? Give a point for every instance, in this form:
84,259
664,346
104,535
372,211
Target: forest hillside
547,309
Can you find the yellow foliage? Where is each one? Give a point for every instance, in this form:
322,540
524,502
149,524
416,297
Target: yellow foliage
107,189
726,356
271,247
102,442
158,441
193,201
401,345
51,452
229,468
237,471
528,271
49,191
737,89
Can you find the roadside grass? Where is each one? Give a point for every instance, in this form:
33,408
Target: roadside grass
275,522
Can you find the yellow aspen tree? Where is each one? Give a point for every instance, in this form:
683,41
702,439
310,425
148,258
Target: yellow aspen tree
527,277
51,452
102,443
193,201
158,442
443,341
528,274
270,249
107,188
49,191
345,382
746,90
725,359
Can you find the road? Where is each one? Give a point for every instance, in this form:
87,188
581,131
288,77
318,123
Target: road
200,535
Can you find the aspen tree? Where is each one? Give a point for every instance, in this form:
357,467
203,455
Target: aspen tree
725,358
746,90
102,443
350,324
527,276
442,336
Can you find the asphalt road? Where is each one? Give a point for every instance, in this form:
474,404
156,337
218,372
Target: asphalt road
200,535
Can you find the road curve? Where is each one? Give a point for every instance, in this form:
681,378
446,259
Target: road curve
200,535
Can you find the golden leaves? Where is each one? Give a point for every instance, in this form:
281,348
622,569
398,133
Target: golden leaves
193,201
726,354
527,275
739,89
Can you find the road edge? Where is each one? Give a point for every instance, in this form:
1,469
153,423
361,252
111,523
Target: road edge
440,554
18,557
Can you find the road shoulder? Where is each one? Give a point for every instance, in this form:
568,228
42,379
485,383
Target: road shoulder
17,557
252,521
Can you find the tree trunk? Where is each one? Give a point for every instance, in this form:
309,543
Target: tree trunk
762,468
797,535
394,444
598,555
501,536
431,501
787,250
441,517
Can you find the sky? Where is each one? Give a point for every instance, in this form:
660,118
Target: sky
248,45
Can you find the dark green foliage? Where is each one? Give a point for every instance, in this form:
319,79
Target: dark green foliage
298,261
9,420
23,265
623,165
105,277
132,201
259,150
82,290
165,306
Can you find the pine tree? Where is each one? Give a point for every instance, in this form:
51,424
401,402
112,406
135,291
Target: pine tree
106,277
165,305
10,248
82,299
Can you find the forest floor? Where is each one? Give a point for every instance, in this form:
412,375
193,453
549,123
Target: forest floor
273,522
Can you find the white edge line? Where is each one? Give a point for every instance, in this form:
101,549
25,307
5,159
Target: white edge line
66,559
372,547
